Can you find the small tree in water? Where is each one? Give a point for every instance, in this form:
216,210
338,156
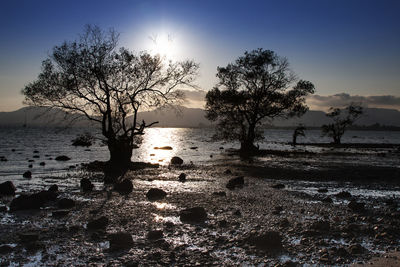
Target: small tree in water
299,131
341,120
252,90
109,86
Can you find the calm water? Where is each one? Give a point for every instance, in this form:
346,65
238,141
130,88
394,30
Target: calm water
18,146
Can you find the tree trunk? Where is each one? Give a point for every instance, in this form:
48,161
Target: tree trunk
247,146
120,159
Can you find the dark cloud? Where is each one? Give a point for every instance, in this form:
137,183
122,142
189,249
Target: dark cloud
318,102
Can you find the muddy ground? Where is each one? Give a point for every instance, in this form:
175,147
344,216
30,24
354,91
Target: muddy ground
288,212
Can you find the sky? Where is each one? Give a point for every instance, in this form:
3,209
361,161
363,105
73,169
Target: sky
348,49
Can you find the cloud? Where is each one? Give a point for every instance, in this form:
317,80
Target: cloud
194,98
318,102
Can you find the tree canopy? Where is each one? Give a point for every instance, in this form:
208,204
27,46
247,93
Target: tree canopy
109,85
259,86
341,119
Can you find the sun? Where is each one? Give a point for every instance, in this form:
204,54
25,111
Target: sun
164,45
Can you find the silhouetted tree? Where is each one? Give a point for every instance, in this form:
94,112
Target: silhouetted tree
251,90
299,131
341,120
109,86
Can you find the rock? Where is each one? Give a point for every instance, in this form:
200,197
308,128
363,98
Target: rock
321,226
155,234
323,190
53,188
163,148
284,222
27,174
86,185
36,152
60,213
235,183
7,189
277,210
62,158
125,187
42,163
155,194
5,249
343,194
220,194
3,209
36,157
327,200
237,213
176,161
120,241
30,166
278,186
182,177
66,203
28,237
98,224
356,249
270,241
222,223
31,160
33,201
228,171
356,206
193,147
193,215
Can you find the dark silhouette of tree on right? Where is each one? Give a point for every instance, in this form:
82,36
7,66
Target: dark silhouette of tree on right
258,87
341,120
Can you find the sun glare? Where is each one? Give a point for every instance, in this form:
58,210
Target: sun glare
164,45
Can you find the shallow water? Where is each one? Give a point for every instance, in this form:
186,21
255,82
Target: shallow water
17,145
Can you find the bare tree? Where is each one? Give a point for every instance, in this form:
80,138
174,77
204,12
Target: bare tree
252,90
341,120
109,86
298,131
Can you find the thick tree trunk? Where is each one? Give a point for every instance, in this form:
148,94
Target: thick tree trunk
120,159
247,146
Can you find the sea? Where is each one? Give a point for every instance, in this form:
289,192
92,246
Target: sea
21,147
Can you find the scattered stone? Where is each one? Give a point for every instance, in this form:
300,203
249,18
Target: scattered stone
237,213
42,163
36,156
66,203
62,158
220,194
31,160
194,147
356,206
343,194
28,237
323,190
86,185
277,210
27,174
36,152
193,215
278,186
182,177
155,234
5,249
221,147
222,223
120,241
152,155
60,213
228,171
164,148
235,183
53,188
155,194
356,249
321,226
98,224
30,166
327,200
284,222
125,187
270,241
176,161
33,201
7,189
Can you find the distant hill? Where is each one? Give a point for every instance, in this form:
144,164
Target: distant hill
187,117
